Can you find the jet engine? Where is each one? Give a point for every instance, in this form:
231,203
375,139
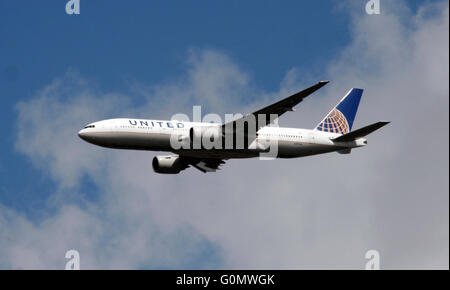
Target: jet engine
169,164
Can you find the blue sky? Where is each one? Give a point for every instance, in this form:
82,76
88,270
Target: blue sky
116,44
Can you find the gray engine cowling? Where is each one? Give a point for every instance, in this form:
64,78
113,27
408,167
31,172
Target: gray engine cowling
169,164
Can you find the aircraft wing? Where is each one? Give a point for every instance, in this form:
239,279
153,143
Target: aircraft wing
204,164
278,108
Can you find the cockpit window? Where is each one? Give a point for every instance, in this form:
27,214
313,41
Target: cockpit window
89,126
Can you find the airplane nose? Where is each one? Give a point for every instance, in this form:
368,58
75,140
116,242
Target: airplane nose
87,135
82,134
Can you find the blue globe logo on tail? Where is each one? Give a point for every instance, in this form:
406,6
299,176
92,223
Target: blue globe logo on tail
335,122
340,119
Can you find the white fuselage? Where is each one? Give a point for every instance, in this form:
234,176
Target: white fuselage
155,135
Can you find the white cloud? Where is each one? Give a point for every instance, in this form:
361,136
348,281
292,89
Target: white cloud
316,212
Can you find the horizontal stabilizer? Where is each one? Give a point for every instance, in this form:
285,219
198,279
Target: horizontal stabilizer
364,131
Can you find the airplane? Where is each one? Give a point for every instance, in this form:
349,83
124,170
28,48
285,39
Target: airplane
332,134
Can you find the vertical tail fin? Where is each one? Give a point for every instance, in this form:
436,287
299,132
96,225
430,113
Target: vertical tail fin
340,119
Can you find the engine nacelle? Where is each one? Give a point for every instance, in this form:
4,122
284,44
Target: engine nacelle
169,164
205,137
